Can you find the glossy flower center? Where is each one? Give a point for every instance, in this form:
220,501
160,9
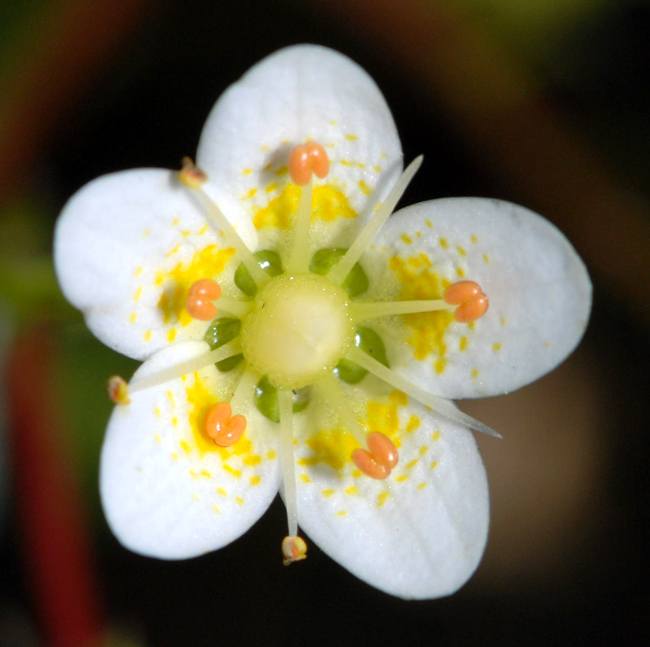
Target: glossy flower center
299,328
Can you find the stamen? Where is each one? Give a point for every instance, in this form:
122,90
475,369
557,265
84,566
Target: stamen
381,457
287,459
363,311
471,300
294,549
200,297
299,257
441,406
218,221
334,396
340,271
224,428
118,390
189,366
306,159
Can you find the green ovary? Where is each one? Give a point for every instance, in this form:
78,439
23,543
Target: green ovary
299,328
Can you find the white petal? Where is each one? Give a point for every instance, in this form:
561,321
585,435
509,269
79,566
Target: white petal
539,292
169,495
299,94
421,532
125,247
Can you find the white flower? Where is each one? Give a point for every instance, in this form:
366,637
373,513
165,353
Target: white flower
355,355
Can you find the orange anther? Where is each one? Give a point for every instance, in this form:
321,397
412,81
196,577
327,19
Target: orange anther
293,549
216,419
191,175
472,302
118,390
382,448
369,465
231,432
307,159
199,300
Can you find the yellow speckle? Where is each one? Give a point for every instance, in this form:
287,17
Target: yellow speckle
186,233
382,498
496,346
250,194
196,497
133,318
202,230
428,223
460,272
138,294
239,500
434,465
418,234
357,473
138,271
352,138
205,474
232,470
413,423
210,261
333,123
439,365
365,189
175,222
171,335
332,447
383,418
328,204
412,464
157,411
474,238
247,171
272,187
158,438
327,493
422,485
399,397
173,251
352,490
147,335
172,400
146,233
471,325
254,459
407,239
423,450
305,478
435,435
474,373
264,148
221,491
503,321
401,478
216,509
271,454
486,258
283,170
255,480
341,513
462,345
376,169
345,162
547,343
443,243
461,250
175,421
186,446
174,455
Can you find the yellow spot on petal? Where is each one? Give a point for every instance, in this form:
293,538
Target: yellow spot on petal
443,243
332,447
423,450
341,513
399,397
474,373
376,169
412,464
413,423
146,233
407,239
250,194
239,500
422,485
202,230
138,271
133,318
175,421
137,294
283,170
327,493
272,187
158,438
461,250
255,480
496,346
231,470
435,435
486,258
428,223
383,418
351,490
254,459
434,465
382,497
222,492
171,335
247,171
208,263
271,454
462,344
304,478
174,455
503,321
186,447
460,272
401,478
352,138
173,251
474,238
365,189
216,509
439,365
147,335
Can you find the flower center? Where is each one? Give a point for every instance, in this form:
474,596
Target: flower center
300,327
